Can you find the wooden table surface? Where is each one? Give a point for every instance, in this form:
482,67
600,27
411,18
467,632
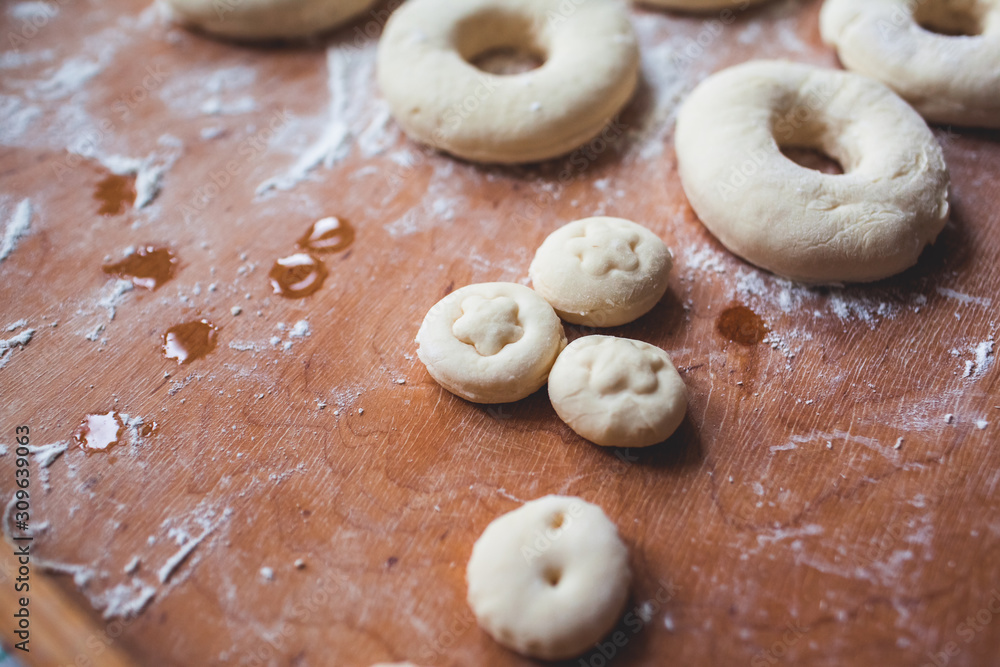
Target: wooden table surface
310,496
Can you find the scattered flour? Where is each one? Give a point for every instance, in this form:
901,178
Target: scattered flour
7,346
334,143
16,227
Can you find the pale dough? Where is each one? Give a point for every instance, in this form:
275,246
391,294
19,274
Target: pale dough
601,272
491,342
948,79
701,5
549,579
591,66
869,223
266,19
617,392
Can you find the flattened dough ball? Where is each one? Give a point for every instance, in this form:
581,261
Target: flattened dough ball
948,78
617,392
591,66
868,223
266,19
549,579
601,272
491,342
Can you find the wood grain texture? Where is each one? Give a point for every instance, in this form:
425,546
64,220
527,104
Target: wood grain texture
780,525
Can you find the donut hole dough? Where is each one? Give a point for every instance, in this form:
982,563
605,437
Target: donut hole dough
617,392
544,590
426,69
601,272
265,19
866,224
942,56
491,342
500,41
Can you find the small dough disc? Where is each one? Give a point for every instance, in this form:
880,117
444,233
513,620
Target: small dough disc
617,392
549,579
601,272
425,72
869,223
952,79
491,342
266,19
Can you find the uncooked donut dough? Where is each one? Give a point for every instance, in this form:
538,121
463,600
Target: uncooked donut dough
590,71
601,272
549,579
491,342
617,392
266,19
701,5
948,79
866,224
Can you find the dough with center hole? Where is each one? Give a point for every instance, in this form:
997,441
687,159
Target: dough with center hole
549,579
617,392
601,272
948,78
866,224
590,70
491,342
266,19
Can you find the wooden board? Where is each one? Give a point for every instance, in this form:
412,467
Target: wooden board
781,524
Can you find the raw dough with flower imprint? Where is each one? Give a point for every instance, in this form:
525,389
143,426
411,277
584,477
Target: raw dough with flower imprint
617,392
491,342
601,271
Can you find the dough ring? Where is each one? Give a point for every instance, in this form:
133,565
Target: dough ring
869,223
591,66
601,272
948,79
617,392
549,579
266,19
701,5
491,342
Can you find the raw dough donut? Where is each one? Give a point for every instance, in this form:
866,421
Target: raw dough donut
866,224
617,392
549,579
491,342
266,19
701,5
948,79
590,71
601,272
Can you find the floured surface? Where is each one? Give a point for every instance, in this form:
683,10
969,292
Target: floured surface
781,523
